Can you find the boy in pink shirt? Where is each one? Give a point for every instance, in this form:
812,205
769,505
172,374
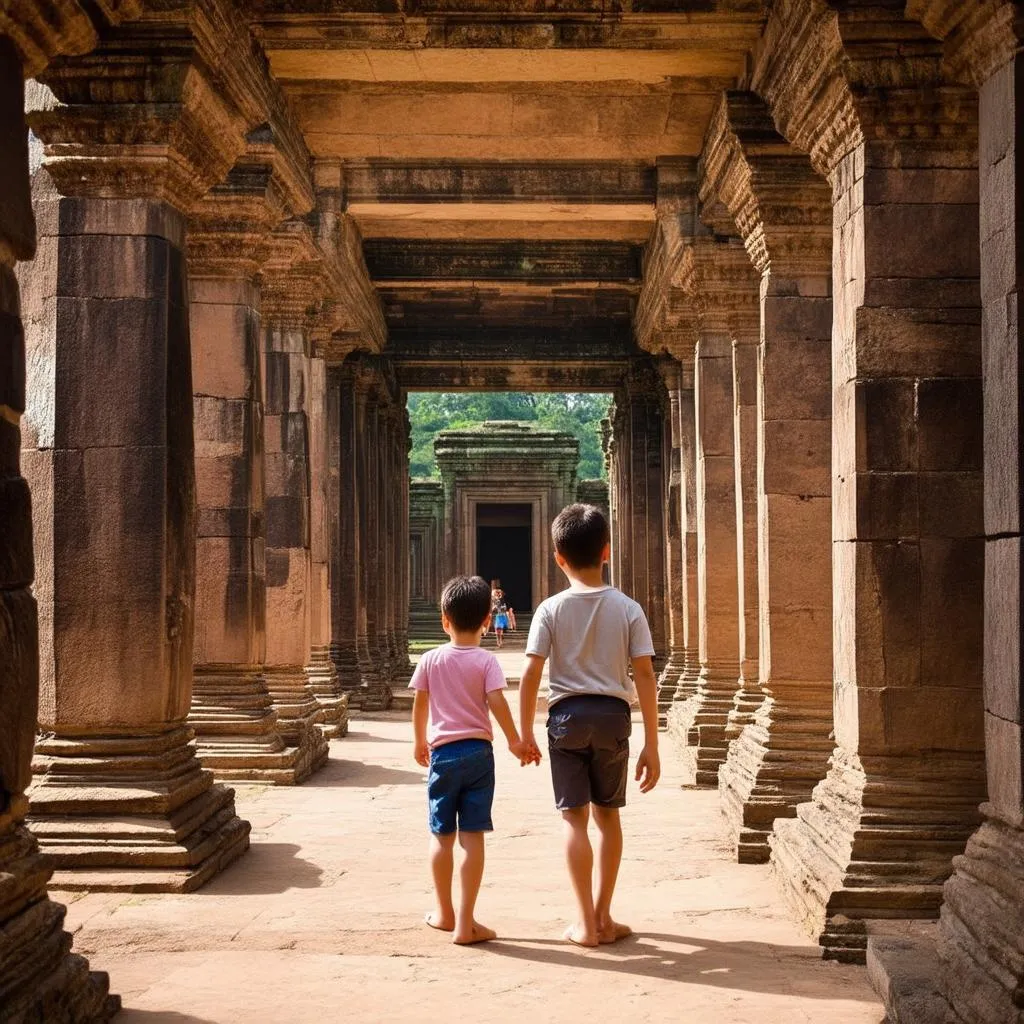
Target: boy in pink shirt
458,687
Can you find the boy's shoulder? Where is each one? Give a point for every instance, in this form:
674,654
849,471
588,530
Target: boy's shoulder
608,593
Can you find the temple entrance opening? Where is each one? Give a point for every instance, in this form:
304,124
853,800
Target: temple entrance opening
504,550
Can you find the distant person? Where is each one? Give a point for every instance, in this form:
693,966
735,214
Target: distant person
458,686
502,615
591,633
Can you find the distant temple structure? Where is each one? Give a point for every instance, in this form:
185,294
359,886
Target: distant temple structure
501,484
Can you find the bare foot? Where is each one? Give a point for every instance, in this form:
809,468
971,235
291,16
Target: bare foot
612,932
579,936
476,933
435,919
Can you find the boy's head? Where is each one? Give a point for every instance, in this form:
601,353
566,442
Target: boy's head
466,603
581,536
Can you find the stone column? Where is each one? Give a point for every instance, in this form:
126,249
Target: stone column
981,934
288,559
645,429
403,667
231,711
700,721
120,799
744,386
900,798
37,969
674,519
376,689
322,675
687,685
784,210
346,575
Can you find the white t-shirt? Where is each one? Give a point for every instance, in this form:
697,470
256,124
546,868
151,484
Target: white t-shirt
589,637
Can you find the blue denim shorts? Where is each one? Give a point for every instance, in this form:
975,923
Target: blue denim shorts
460,787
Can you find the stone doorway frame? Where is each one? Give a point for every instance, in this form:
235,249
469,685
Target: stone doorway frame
469,498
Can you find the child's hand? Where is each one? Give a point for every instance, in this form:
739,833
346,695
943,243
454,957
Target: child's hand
421,754
648,769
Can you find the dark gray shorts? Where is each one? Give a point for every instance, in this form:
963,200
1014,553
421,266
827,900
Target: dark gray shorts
588,746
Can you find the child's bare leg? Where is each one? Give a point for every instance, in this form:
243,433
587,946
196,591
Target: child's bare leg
442,867
609,857
579,856
467,930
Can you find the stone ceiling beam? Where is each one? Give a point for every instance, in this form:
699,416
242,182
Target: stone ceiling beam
722,27
611,182
527,261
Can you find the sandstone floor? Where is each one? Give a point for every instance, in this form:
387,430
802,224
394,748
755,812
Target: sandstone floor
321,919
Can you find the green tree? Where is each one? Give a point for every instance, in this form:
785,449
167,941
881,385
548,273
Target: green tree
577,414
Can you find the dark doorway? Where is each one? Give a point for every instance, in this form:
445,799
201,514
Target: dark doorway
504,550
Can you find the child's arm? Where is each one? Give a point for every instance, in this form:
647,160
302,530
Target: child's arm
503,716
529,686
420,717
648,767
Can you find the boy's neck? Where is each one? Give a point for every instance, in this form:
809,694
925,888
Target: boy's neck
462,639
592,576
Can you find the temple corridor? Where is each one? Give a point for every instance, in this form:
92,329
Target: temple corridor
325,911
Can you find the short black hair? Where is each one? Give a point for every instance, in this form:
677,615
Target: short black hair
580,533
466,602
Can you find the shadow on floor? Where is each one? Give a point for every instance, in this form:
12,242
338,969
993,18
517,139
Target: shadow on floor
741,966
130,1016
264,869
337,774
372,737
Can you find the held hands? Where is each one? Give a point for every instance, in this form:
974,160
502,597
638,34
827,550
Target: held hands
526,751
648,769
421,753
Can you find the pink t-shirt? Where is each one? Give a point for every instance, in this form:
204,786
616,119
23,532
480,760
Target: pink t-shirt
458,680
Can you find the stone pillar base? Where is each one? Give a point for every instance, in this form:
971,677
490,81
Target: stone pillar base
323,681
686,686
40,980
402,672
235,725
668,684
345,659
132,814
700,720
981,937
298,715
772,767
905,973
876,841
745,705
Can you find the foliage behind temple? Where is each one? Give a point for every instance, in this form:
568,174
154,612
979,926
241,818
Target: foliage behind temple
578,414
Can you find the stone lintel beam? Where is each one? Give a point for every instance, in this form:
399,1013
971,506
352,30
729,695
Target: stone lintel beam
838,75
781,208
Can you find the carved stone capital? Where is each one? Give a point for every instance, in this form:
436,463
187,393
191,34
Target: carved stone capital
980,37
722,286
42,31
228,228
780,206
837,75
168,135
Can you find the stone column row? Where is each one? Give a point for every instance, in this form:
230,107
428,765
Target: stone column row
238,727
370,559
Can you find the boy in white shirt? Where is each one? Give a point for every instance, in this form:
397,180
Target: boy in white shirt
591,633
